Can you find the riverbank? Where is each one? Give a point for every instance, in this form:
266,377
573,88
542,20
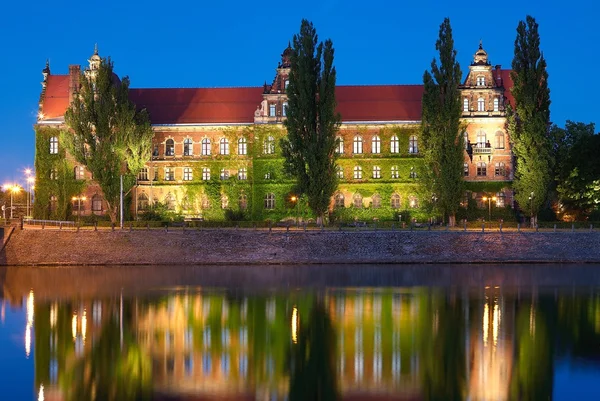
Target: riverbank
242,247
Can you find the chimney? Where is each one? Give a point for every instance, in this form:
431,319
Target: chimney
74,73
498,76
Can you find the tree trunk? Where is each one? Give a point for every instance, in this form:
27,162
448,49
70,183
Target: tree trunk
451,219
112,212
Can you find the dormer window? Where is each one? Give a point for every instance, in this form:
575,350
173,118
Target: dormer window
480,80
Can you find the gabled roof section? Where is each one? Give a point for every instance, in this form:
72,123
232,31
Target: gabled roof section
56,98
199,105
379,103
507,82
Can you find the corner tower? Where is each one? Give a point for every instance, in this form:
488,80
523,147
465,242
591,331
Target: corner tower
272,109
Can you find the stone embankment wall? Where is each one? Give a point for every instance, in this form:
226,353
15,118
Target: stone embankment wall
210,247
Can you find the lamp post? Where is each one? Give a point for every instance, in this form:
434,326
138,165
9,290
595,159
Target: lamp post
79,199
531,208
13,188
489,200
30,180
294,199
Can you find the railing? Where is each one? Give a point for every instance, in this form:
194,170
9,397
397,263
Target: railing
482,151
49,223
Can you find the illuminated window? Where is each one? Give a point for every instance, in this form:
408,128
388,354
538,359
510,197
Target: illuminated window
205,147
242,146
357,172
170,201
79,173
143,202
500,199
500,169
53,145
187,147
480,104
170,147
413,202
376,201
242,174
284,109
205,173
394,172
340,171
376,145
465,104
376,172
224,146
499,140
480,80
466,169
269,146
96,203
340,145
481,139
339,200
224,202
224,174
270,201
395,200
358,145
287,83
481,169
413,173
357,200
143,174
496,104
466,139
187,174
413,146
169,174
272,110
205,202
243,202
394,144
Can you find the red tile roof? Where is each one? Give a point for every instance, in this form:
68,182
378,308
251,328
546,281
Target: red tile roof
380,102
507,82
56,100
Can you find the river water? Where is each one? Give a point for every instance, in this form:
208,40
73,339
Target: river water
384,332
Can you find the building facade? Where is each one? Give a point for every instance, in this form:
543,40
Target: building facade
216,151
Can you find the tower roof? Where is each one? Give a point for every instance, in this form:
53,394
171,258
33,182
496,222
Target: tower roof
481,56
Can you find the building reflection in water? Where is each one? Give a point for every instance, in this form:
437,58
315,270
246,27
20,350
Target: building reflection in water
388,343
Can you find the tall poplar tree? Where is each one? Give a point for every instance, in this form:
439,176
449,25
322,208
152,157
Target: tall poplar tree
441,140
312,122
107,134
528,122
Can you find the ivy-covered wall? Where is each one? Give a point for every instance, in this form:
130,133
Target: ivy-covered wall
54,177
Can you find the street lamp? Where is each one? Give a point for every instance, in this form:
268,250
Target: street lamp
531,208
489,200
79,199
294,199
13,188
30,180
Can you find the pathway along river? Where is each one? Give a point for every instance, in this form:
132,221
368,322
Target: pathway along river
427,332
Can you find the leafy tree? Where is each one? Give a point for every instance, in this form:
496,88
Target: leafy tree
107,134
577,168
312,122
529,121
442,142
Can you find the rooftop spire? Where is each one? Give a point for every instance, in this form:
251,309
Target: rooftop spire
96,49
480,44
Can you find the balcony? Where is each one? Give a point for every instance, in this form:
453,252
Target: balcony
482,150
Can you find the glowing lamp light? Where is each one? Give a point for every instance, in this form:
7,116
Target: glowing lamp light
74,325
486,311
27,341
83,325
41,393
295,324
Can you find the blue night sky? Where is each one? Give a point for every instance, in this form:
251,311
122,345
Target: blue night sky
238,43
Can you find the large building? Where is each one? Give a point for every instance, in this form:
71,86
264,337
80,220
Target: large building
216,150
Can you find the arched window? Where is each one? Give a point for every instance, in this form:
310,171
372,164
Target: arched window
500,199
187,147
466,139
358,145
54,145
242,146
376,201
142,202
224,174
170,201
224,202
395,201
170,147
413,173
269,146
465,104
481,169
394,172
340,145
242,174
413,146
270,201
339,200
243,202
358,173
413,202
205,174
466,169
376,172
340,171
480,104
224,146
79,173
394,144
206,147
500,169
376,145
481,139
52,205
496,104
499,140
96,203
54,174
284,108
205,202
187,174
357,200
